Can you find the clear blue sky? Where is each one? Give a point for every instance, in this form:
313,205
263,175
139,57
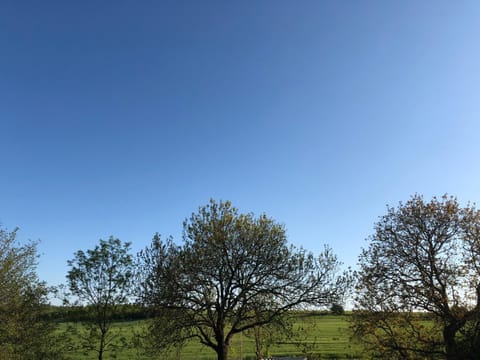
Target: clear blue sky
123,117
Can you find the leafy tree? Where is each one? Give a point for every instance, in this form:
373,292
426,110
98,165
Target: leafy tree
234,272
267,335
24,333
419,287
306,339
101,279
337,309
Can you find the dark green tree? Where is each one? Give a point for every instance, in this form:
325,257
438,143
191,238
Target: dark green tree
337,309
418,285
24,332
234,272
101,279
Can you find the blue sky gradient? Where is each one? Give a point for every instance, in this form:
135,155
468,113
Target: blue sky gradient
123,117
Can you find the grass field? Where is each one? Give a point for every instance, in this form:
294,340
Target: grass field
325,335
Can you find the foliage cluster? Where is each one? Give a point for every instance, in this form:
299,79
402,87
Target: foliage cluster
24,333
423,257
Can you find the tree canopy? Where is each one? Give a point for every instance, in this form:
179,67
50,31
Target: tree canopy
418,293
102,279
24,334
233,272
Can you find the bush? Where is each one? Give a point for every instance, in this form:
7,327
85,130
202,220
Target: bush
337,309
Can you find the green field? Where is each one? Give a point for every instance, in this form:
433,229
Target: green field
325,335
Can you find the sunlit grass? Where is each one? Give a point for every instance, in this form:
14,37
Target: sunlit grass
324,335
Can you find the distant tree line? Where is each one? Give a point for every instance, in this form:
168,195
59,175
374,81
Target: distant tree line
417,291
81,313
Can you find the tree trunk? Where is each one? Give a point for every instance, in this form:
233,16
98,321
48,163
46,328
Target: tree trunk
258,343
102,346
449,332
222,351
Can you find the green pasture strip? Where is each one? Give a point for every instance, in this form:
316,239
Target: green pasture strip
325,335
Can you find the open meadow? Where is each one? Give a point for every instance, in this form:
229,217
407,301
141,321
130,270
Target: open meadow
326,336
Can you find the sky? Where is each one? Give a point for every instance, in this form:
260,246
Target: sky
123,117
